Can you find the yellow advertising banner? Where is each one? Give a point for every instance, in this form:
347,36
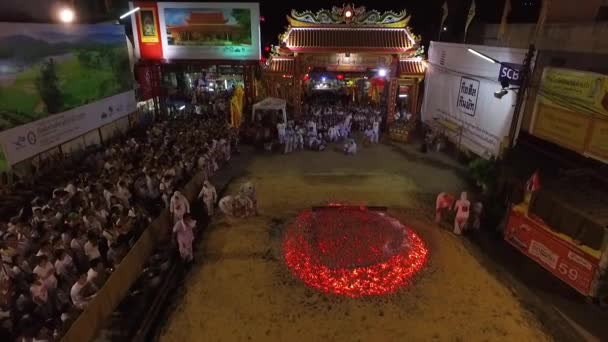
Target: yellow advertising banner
578,91
598,141
562,127
572,111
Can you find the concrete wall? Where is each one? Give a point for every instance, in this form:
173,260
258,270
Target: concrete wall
572,11
589,37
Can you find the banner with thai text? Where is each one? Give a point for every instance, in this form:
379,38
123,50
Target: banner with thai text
28,140
572,111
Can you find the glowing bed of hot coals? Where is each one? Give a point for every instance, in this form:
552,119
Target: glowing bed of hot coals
352,251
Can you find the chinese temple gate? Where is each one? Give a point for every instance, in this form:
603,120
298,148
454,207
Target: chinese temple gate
348,43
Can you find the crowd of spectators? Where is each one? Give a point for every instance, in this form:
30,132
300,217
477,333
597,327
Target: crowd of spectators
58,250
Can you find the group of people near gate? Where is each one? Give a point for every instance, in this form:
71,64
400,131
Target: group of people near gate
467,215
59,249
323,124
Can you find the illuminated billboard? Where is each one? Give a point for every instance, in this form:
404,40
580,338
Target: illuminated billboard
213,31
58,82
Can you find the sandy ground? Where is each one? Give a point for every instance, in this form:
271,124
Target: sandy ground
240,290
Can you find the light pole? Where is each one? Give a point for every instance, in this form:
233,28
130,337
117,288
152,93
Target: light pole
525,74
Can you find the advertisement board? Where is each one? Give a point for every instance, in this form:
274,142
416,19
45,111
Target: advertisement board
48,70
28,140
181,30
572,111
559,257
460,91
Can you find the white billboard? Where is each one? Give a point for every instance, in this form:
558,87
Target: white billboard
28,140
203,30
459,95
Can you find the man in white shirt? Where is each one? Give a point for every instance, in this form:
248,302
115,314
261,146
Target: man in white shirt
281,132
209,196
46,272
96,275
91,248
78,292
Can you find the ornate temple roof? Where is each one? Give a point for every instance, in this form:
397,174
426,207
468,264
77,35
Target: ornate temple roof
348,15
412,66
342,39
281,65
349,29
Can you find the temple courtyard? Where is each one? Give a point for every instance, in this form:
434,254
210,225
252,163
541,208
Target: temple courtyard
240,289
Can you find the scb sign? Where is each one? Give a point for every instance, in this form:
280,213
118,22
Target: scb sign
510,73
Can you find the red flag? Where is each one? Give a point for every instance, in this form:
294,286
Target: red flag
533,183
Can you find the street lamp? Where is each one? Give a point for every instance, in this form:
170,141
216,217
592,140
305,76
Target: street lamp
486,57
66,15
129,13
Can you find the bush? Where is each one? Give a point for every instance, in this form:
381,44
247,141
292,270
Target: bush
483,172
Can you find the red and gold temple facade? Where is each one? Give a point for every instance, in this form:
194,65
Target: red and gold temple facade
350,41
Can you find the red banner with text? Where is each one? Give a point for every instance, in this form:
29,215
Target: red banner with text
558,256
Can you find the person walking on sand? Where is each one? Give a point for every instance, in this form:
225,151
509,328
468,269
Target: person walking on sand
209,196
184,233
462,213
179,206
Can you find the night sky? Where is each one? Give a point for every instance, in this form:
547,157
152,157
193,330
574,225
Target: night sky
426,14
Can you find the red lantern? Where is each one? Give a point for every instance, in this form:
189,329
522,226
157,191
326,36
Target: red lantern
262,19
267,48
306,77
340,77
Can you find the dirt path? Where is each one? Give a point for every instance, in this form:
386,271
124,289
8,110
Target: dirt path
242,291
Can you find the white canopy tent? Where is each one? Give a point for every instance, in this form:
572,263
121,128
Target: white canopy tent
270,103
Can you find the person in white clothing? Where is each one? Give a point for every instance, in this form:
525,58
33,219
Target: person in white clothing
184,233
46,272
281,132
350,148
81,292
289,139
91,247
376,131
179,206
248,191
209,196
462,213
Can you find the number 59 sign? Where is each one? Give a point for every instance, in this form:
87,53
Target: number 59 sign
558,256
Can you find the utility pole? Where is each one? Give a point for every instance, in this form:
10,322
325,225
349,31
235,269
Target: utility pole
521,94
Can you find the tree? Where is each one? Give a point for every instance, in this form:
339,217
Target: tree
47,84
121,68
243,17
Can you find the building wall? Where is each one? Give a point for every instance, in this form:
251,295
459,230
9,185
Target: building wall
573,11
589,37
569,60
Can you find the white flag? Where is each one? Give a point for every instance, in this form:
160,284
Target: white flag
444,14
469,18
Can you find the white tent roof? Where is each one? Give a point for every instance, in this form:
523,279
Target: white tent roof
270,103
